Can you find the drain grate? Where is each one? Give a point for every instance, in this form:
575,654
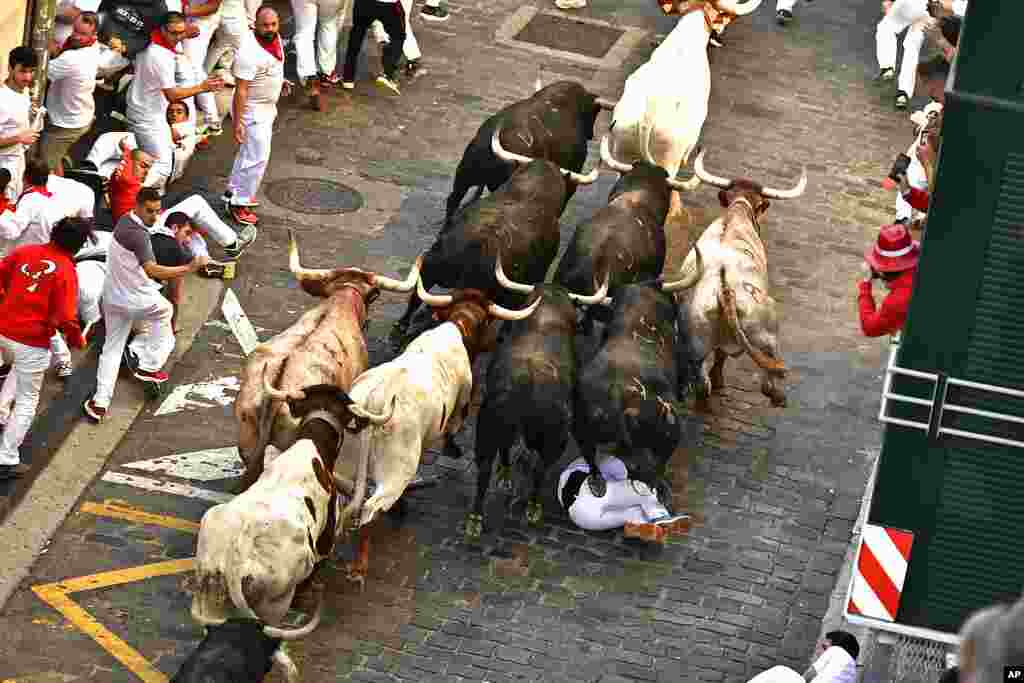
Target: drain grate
314,196
566,34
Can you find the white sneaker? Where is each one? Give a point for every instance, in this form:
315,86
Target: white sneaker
570,4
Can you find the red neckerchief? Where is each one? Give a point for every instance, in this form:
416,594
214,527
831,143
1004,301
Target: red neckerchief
157,38
274,47
82,42
5,204
34,189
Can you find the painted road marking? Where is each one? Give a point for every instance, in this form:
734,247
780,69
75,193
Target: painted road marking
131,514
239,322
46,677
219,392
56,596
205,465
170,487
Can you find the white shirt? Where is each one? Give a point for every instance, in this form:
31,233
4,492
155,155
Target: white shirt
265,74
154,73
835,665
69,102
33,219
77,198
14,109
960,7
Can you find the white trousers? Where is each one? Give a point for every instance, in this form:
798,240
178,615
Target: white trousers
903,14
21,388
251,162
154,138
205,219
152,345
917,178
785,4
91,275
411,48
16,165
59,349
319,18
196,50
227,41
106,154
778,674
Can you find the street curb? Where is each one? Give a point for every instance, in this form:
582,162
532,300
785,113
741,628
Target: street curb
30,526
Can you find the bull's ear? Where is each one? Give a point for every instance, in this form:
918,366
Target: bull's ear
320,396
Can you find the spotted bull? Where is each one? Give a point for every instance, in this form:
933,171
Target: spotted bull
429,385
555,123
324,346
530,385
665,101
519,221
730,312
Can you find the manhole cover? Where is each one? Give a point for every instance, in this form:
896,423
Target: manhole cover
313,195
569,35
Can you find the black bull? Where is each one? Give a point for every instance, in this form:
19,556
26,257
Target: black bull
554,124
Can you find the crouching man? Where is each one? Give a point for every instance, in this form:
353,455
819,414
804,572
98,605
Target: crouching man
627,504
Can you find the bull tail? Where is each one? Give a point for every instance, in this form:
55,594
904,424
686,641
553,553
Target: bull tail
727,302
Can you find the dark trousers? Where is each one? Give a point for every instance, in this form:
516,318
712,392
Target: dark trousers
392,16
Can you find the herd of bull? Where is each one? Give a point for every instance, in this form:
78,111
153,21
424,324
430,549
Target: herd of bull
349,438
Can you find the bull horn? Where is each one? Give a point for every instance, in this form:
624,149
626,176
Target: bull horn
296,633
684,185
734,7
503,280
373,418
302,274
277,394
610,161
202,619
437,300
597,297
688,280
700,172
514,158
605,103
793,193
503,313
407,285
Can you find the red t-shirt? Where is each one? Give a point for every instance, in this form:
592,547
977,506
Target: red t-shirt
890,316
38,296
918,199
124,187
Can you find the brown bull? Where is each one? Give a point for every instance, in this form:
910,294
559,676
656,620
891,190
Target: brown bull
730,311
324,346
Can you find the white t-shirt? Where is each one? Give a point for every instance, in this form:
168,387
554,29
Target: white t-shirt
77,198
33,219
69,101
14,109
835,665
265,74
154,73
62,31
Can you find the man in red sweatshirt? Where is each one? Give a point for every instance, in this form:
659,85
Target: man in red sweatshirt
893,259
38,297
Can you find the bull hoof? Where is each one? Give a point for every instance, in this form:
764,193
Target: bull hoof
474,526
356,574
535,513
503,479
597,485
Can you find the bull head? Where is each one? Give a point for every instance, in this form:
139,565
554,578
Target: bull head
48,267
513,158
493,309
324,281
598,297
620,167
728,183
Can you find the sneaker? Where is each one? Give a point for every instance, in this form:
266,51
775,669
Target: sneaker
229,200
243,214
648,532
783,16
65,369
151,376
388,85
213,129
95,413
675,525
414,68
436,13
246,236
570,4
902,100
348,85
886,74
14,471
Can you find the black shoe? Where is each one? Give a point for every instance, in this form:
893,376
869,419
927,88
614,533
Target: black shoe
783,16
14,471
716,39
902,100
131,361
414,69
886,74
434,13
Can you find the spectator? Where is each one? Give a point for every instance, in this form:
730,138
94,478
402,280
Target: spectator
320,18
131,295
69,100
68,13
836,662
259,82
981,645
628,504
900,15
410,48
391,14
933,75
949,36
893,259
17,132
150,92
205,17
915,176
40,290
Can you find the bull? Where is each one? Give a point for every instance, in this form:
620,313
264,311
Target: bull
236,650
730,312
626,238
627,394
555,123
430,385
529,391
519,221
665,102
257,550
324,346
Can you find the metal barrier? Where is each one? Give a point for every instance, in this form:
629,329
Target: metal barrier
917,659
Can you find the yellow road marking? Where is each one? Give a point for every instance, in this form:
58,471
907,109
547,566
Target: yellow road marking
135,515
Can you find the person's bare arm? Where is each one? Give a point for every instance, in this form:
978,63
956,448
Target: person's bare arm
178,94
203,9
22,137
158,272
240,100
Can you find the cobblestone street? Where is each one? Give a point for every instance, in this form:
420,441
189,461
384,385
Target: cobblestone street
775,492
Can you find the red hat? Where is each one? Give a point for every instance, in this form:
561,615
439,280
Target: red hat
894,251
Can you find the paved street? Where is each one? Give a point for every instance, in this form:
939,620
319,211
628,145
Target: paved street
775,491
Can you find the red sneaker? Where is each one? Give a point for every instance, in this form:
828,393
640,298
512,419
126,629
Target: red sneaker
155,377
94,411
243,214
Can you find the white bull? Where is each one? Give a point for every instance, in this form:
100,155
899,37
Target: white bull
663,106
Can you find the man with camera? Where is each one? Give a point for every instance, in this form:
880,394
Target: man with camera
892,259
